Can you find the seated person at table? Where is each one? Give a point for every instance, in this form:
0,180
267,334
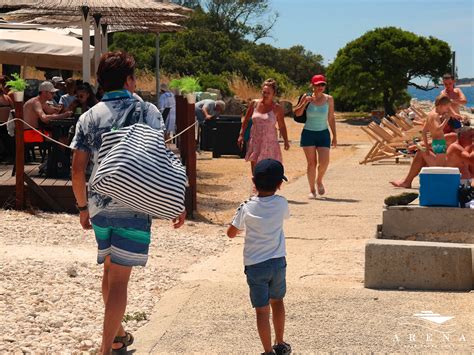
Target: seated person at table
434,124
58,83
6,103
68,98
208,109
85,99
37,111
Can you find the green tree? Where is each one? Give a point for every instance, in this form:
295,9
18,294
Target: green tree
141,45
376,68
242,18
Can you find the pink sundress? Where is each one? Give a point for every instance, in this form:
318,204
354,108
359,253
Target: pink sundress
263,143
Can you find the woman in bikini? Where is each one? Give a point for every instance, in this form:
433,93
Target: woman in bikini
265,114
315,137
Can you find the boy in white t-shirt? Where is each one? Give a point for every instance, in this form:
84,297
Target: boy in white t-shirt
264,251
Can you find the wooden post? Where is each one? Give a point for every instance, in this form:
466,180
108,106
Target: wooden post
181,124
191,154
187,146
19,158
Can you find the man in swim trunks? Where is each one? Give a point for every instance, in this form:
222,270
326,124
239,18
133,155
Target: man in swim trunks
457,100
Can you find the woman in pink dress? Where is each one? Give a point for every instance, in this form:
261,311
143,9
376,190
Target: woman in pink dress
265,113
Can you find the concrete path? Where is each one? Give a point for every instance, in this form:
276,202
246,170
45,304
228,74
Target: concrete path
328,308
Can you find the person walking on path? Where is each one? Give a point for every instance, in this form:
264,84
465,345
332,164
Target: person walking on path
315,137
265,114
123,235
264,252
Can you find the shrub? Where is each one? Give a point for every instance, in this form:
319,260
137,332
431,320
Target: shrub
215,81
187,84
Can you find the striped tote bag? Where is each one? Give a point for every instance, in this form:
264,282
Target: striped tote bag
136,169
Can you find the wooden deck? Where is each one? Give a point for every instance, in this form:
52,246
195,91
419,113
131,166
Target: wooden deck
60,190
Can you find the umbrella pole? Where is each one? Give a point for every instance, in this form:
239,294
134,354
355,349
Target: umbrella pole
86,42
157,70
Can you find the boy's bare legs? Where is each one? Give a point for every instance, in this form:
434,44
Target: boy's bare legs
105,294
263,326
116,302
278,315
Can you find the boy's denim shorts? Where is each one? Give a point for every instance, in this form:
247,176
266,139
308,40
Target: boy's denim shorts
267,280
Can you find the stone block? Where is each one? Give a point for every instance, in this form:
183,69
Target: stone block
400,222
391,264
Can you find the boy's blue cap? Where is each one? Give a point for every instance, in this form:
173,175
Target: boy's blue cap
269,169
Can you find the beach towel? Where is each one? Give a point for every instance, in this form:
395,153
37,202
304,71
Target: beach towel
137,169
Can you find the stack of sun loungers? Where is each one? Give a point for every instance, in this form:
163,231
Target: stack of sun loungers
393,136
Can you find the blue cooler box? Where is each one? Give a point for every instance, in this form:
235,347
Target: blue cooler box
439,186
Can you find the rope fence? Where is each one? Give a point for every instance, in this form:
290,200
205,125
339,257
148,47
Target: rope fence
66,146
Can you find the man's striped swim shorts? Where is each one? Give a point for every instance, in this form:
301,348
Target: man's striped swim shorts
125,237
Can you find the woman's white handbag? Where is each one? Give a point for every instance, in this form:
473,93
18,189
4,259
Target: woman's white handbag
136,169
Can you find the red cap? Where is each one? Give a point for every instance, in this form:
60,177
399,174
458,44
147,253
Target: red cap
318,79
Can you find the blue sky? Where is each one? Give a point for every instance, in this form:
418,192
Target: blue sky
326,26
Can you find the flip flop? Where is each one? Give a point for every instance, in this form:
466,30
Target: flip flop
312,195
126,340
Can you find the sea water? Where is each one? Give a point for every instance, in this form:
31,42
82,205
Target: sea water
431,95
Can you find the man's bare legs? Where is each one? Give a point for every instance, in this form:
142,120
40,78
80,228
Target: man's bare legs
323,157
312,162
105,294
420,160
115,298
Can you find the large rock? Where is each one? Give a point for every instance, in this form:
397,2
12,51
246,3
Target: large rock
235,106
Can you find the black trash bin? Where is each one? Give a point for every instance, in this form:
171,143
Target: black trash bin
226,135
206,135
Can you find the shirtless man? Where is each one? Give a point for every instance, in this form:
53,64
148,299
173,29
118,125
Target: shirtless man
37,109
461,153
457,100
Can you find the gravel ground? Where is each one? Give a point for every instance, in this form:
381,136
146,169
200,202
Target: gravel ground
50,283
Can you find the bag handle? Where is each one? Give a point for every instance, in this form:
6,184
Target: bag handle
128,116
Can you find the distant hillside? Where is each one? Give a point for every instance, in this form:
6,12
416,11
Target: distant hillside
465,81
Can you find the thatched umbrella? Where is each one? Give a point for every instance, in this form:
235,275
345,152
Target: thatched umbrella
126,13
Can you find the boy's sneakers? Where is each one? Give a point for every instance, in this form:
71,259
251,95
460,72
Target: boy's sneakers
282,349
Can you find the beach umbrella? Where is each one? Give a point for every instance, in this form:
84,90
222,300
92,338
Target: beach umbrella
130,13
41,48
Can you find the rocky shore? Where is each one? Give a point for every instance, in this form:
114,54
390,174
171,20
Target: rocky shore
50,297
